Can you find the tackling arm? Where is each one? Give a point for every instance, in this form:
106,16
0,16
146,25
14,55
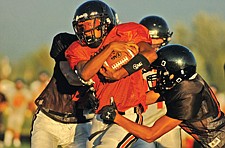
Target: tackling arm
149,134
59,45
69,74
163,125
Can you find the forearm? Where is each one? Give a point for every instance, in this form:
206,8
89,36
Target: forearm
71,77
146,56
137,130
147,51
88,69
149,134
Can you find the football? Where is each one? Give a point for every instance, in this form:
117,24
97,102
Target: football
119,58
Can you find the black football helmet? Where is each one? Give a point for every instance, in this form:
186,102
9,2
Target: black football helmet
116,16
158,28
174,64
93,10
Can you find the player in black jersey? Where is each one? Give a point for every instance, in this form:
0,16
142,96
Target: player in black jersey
62,117
190,102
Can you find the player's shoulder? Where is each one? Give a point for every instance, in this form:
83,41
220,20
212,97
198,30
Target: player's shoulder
129,26
75,45
131,30
76,49
188,87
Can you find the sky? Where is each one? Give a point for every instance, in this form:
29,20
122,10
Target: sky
27,25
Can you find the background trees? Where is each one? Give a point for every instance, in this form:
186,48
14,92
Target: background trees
205,37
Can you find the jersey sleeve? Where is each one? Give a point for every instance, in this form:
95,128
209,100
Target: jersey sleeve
128,32
184,105
75,53
136,32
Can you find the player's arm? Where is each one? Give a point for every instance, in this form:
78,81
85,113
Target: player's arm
87,69
59,45
71,77
146,55
149,134
148,51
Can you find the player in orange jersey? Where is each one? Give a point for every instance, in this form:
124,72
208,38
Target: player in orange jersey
98,37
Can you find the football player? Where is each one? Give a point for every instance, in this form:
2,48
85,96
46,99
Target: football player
190,102
60,119
161,36
63,85
98,35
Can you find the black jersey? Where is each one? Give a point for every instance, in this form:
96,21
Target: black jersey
57,97
194,102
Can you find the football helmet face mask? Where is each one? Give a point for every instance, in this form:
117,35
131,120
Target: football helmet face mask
158,28
174,64
91,19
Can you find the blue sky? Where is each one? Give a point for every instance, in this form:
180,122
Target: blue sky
27,25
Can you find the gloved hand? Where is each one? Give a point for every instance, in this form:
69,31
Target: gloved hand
108,113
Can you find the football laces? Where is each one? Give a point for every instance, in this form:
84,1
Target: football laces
120,63
131,53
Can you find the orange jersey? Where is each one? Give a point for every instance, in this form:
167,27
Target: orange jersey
127,92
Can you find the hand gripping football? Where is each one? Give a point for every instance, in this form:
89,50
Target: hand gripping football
119,58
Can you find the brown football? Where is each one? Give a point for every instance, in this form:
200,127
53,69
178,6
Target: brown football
119,58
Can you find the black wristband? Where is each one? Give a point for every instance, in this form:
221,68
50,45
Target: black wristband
138,62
